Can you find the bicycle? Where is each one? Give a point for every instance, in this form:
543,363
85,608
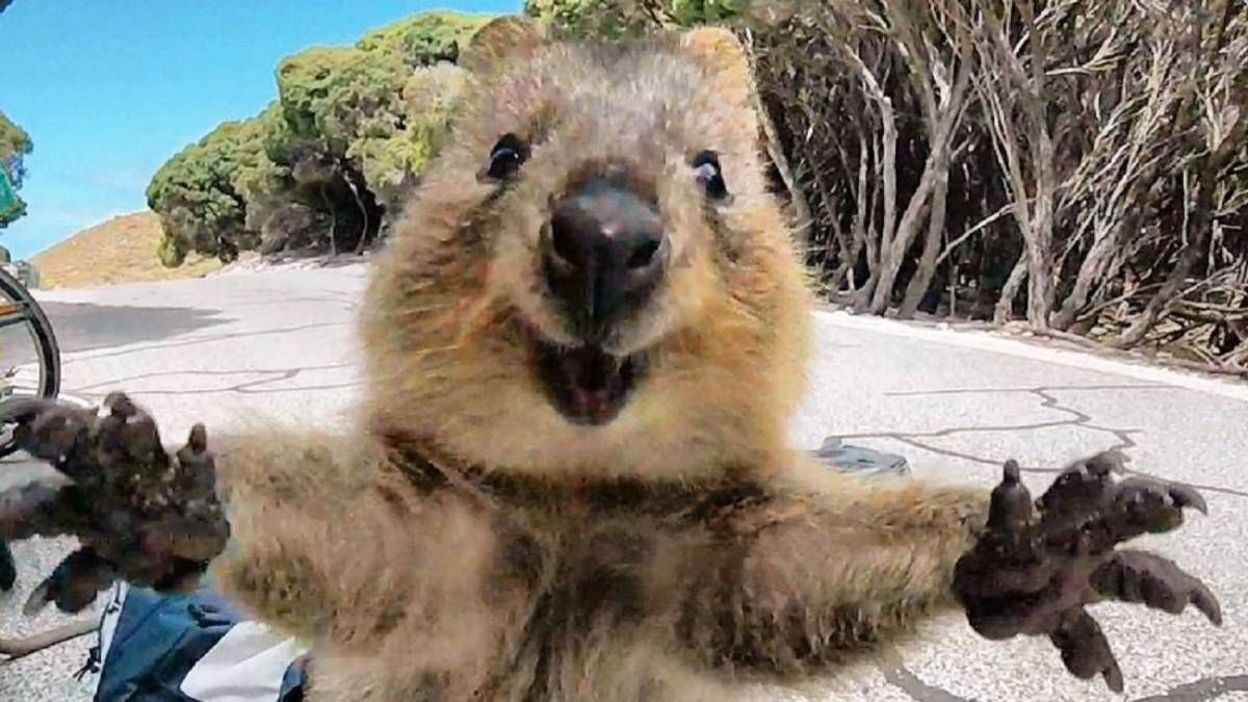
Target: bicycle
19,307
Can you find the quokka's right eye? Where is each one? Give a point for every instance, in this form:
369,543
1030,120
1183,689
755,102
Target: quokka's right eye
710,175
506,157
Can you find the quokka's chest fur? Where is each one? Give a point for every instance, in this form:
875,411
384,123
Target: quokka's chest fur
589,542
571,569
581,550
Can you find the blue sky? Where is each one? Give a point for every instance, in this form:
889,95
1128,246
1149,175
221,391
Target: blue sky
109,90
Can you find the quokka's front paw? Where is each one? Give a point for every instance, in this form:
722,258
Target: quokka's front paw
141,514
1037,565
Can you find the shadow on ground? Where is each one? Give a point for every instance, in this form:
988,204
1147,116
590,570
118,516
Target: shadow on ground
80,326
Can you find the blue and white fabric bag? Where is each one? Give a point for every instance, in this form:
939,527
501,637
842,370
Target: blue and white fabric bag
190,648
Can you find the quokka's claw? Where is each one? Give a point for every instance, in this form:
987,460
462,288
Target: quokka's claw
16,409
1185,496
1034,577
1079,493
1146,505
140,513
49,430
74,584
1085,650
1010,510
129,436
197,442
120,405
1157,582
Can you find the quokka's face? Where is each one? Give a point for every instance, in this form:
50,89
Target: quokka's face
611,179
632,256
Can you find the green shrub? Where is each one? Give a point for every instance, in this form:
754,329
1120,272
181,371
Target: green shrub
329,162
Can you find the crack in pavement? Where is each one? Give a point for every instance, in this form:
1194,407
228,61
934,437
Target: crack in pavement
194,340
279,373
244,389
1050,388
352,302
961,430
1122,437
1048,401
247,388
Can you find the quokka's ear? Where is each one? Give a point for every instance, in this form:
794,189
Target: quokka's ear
507,38
723,58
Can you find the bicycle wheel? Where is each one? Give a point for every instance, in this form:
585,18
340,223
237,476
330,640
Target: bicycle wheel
18,307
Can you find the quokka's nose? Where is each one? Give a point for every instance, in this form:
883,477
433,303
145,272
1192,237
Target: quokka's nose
604,255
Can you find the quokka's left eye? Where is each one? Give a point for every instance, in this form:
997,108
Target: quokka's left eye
710,176
506,157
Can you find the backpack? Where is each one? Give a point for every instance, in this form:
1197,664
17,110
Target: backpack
191,647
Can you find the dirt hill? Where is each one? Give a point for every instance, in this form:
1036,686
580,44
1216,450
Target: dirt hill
120,250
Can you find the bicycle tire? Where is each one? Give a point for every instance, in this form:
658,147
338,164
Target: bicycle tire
46,345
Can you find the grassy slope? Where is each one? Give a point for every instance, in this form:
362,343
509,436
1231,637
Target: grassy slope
120,250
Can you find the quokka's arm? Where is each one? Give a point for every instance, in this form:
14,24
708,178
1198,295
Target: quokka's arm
809,580
332,544
316,548
812,577
315,534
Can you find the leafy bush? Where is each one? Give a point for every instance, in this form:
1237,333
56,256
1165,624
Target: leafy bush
15,145
199,193
329,162
425,39
608,18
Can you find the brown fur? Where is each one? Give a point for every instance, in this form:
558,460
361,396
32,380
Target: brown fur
468,542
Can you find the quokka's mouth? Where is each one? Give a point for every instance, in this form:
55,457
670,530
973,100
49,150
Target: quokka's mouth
587,385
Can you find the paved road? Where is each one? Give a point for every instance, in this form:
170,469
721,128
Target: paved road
955,404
